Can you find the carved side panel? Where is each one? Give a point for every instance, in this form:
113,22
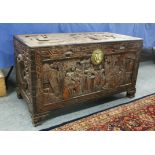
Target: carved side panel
23,70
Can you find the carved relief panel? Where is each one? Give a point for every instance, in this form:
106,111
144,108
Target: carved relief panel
119,69
72,78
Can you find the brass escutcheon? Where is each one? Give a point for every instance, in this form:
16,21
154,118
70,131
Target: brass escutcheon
97,57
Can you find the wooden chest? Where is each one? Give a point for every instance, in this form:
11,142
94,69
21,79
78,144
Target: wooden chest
54,70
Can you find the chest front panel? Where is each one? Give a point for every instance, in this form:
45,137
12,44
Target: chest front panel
65,73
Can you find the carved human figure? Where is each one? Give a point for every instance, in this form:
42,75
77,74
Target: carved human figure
50,78
69,85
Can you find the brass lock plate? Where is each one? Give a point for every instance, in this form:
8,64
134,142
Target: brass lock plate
97,56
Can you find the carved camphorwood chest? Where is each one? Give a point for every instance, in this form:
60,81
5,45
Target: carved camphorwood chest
54,70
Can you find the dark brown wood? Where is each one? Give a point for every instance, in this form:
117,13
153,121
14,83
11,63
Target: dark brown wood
58,70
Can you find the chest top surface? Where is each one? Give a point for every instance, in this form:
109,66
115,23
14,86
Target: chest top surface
45,40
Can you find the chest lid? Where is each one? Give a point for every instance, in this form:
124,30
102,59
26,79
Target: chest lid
45,40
